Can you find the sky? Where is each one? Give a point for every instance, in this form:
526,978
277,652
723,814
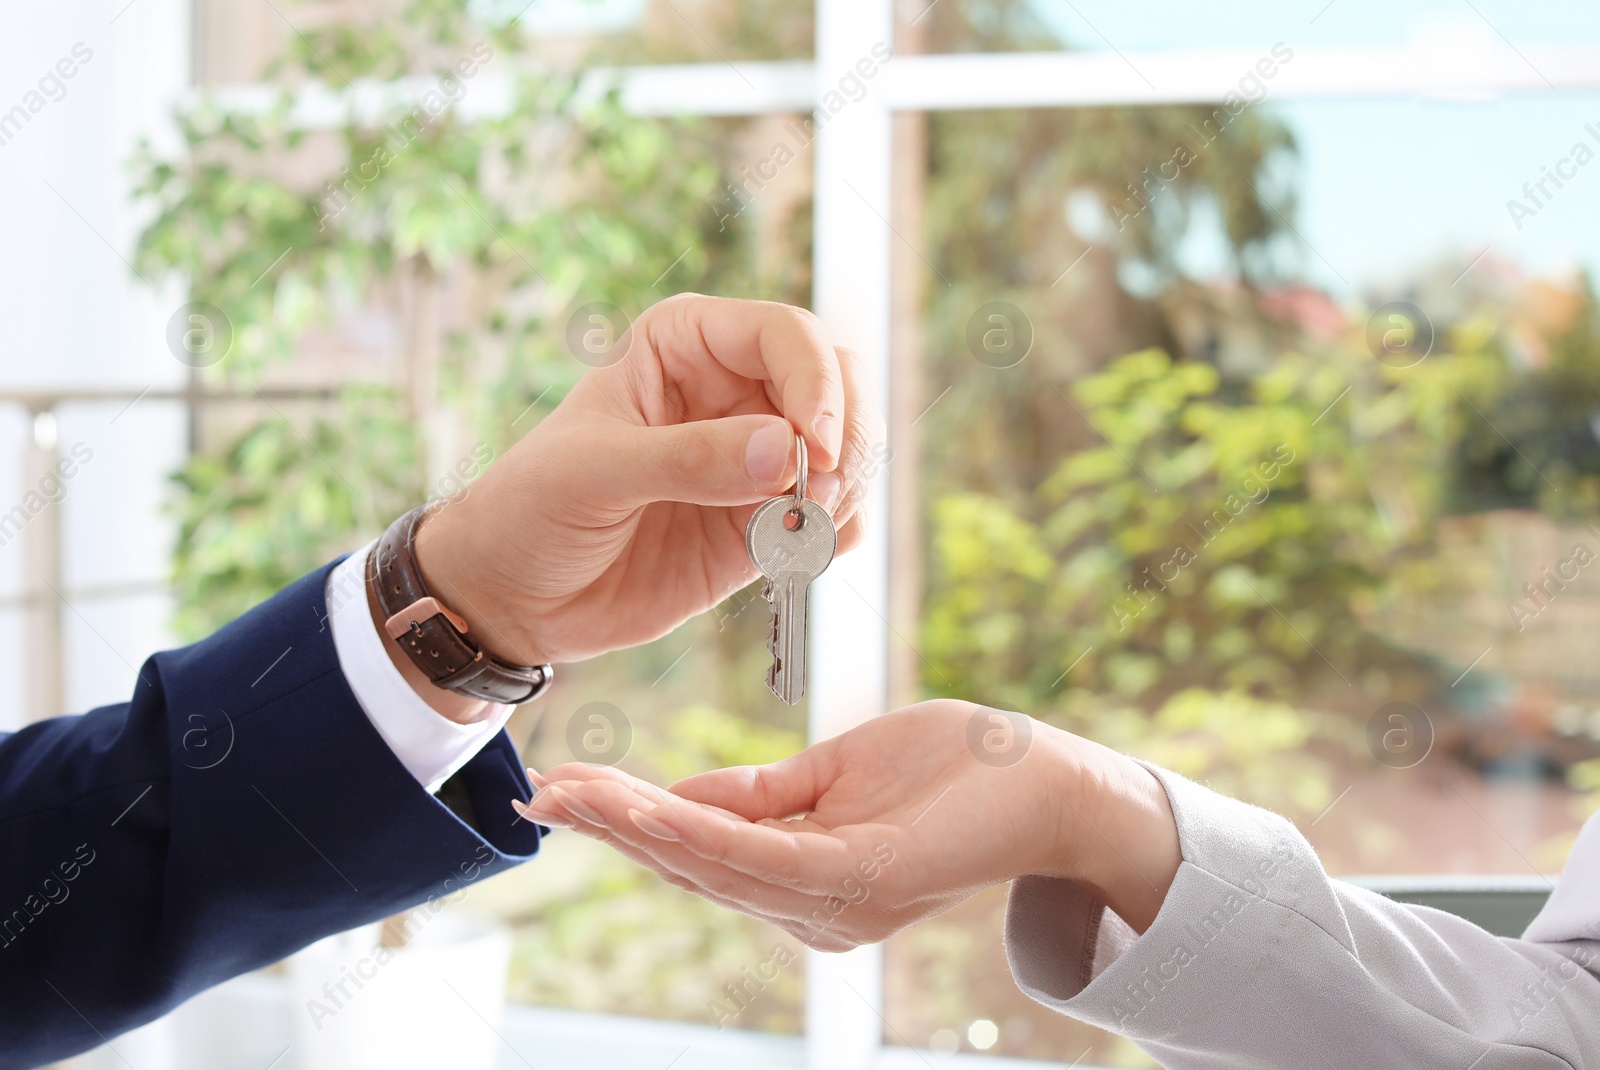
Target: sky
1166,24
1388,186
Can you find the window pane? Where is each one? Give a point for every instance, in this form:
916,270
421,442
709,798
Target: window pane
1274,463
463,253
597,932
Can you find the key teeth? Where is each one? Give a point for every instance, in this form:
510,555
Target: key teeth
772,635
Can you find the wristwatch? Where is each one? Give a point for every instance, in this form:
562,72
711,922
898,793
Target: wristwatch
434,637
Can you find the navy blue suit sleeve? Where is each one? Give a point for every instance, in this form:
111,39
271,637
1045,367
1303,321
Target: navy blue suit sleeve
240,807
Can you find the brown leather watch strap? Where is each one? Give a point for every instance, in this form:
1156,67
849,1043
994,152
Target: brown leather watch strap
435,638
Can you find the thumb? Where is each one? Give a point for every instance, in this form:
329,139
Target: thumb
780,790
732,461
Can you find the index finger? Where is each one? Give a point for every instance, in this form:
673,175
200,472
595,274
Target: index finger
765,341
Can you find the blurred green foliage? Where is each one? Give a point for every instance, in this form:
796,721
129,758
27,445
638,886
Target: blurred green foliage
1542,432
1585,779
499,226
1206,541
274,504
1060,492
470,242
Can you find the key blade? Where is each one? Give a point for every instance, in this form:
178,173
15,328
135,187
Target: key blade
790,556
772,648
775,678
788,676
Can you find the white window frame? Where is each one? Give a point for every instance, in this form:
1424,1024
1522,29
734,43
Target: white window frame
853,246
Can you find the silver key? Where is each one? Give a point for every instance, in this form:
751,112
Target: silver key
792,541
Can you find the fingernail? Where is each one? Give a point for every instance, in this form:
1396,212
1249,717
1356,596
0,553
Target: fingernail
654,827
538,781
825,489
528,814
575,806
767,453
824,428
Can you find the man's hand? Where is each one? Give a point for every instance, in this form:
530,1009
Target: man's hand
888,824
622,514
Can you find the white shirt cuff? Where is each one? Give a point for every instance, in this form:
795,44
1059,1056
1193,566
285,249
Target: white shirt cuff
430,745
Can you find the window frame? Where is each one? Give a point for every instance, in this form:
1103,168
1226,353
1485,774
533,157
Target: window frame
855,245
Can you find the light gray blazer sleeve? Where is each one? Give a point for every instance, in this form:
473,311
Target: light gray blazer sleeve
1259,961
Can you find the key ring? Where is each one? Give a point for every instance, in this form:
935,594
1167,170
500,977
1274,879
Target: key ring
800,474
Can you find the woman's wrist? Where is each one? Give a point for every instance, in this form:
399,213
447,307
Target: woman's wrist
1116,833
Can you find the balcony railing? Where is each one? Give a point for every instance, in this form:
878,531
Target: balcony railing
44,596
